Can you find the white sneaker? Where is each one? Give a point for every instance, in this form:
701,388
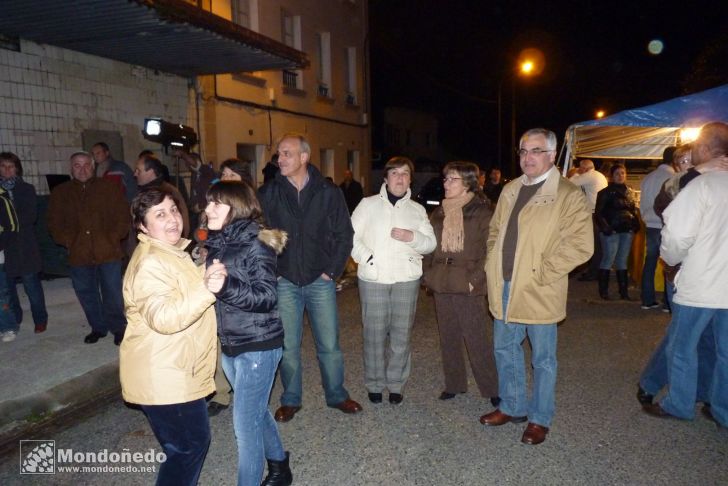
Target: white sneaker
9,336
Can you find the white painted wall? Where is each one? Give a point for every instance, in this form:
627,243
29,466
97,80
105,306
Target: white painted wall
49,96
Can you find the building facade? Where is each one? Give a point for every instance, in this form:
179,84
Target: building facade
56,99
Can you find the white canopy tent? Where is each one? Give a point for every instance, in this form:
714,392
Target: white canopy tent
644,133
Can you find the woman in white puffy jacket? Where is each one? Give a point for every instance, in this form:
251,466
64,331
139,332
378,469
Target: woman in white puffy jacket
391,233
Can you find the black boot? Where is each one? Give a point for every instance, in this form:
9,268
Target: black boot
604,284
623,282
279,474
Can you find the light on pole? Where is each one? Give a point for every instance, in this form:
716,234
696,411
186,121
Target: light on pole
526,67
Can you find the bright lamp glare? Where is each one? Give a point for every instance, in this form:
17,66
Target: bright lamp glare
177,144
154,127
688,135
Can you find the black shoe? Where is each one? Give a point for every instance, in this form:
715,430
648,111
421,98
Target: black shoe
643,397
118,337
395,398
447,395
375,397
279,473
93,337
495,401
215,408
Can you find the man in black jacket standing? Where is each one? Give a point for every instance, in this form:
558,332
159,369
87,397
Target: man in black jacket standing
312,210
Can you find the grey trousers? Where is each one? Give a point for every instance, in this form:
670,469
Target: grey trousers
387,310
463,319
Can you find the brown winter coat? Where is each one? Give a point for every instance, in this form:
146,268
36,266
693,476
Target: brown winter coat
460,273
90,219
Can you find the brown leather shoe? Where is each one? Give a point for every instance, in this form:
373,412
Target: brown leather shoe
534,434
656,410
286,413
496,417
348,406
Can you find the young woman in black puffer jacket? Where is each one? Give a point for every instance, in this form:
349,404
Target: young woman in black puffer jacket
618,221
248,324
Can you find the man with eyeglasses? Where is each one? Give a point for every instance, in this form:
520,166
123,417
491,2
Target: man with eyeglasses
541,231
312,210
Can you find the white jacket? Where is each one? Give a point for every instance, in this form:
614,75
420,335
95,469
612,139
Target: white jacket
696,234
590,182
381,258
649,189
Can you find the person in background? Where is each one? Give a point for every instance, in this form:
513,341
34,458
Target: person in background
248,324
271,169
654,376
649,189
391,233
90,217
540,231
201,176
313,212
235,170
591,182
8,233
694,235
353,192
167,360
22,255
148,173
455,272
494,186
618,221
165,170
114,170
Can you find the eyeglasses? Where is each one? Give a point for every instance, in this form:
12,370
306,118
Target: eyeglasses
450,179
536,151
684,161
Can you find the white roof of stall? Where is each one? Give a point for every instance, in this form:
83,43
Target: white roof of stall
644,133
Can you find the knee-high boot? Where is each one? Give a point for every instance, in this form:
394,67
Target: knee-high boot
623,282
604,284
279,473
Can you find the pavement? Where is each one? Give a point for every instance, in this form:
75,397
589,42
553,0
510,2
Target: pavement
599,434
50,373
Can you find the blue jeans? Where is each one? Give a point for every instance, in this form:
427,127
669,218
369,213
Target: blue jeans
7,317
687,326
654,376
34,291
105,310
615,250
669,294
508,340
183,431
652,253
319,299
251,375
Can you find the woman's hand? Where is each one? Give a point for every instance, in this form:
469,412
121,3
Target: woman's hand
215,276
401,234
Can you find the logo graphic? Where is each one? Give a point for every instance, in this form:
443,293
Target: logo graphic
37,457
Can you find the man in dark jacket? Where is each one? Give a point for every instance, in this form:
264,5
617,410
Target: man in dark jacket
89,216
353,192
314,214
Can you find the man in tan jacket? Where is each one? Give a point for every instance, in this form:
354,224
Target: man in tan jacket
89,216
541,230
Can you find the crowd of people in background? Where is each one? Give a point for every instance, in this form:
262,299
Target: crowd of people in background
271,254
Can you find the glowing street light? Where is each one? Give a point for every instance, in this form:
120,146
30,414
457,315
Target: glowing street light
600,114
527,67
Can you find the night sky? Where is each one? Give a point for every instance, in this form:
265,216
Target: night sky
448,57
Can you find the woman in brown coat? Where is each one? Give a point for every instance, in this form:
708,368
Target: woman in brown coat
455,273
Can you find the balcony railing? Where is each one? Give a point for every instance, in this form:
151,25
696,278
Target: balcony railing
323,90
290,79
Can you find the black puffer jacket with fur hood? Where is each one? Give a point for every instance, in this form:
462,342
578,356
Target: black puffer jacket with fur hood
246,307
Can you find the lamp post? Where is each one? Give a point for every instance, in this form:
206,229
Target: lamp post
526,67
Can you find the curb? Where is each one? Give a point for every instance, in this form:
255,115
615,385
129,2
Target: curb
25,417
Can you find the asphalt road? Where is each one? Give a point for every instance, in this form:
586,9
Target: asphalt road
599,434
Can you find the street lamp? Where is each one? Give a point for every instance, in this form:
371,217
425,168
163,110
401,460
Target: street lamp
600,114
531,63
